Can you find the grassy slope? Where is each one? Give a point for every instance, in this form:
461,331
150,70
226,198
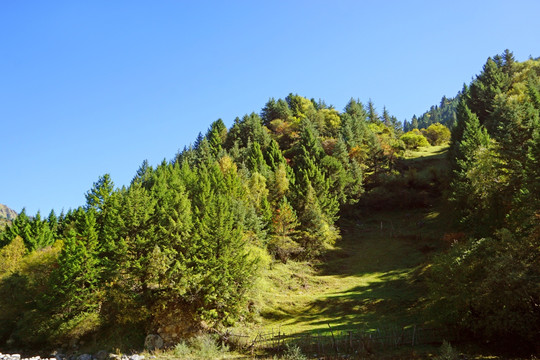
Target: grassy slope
373,278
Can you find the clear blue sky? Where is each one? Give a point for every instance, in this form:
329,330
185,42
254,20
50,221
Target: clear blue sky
95,87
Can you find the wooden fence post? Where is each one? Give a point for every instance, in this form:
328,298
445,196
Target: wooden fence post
333,339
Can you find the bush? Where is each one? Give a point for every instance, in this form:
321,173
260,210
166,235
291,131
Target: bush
437,134
293,352
490,287
447,352
202,347
414,139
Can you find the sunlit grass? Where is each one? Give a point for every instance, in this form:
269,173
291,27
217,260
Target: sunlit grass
372,279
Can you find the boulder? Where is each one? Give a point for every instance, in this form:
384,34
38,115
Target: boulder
101,355
153,342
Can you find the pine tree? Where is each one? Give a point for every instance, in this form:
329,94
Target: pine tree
414,122
136,240
102,189
386,117
218,269
173,224
474,142
256,161
275,111
283,243
142,175
274,156
216,136
372,115
318,230
74,297
246,130
483,91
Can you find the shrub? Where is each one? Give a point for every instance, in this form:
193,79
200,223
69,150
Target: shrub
437,134
201,347
414,139
293,352
447,352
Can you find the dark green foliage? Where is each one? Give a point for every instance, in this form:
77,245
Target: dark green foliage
35,232
472,150
274,156
143,174
484,90
284,242
316,204
414,123
489,285
274,110
353,124
372,115
74,297
444,114
247,130
256,161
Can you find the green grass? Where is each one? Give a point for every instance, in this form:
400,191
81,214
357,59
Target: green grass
373,278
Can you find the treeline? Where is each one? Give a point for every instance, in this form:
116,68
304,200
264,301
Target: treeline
190,235
490,284
444,114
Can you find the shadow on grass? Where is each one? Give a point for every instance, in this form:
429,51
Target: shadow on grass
389,301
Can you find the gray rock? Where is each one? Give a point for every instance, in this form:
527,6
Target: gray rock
101,355
153,342
84,357
59,356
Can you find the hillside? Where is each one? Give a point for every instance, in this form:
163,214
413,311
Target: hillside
374,278
302,220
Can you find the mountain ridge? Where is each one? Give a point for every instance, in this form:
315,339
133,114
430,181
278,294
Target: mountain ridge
7,213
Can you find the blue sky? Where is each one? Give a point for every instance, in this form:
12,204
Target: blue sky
95,87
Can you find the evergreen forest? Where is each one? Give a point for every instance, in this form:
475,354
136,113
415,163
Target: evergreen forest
189,243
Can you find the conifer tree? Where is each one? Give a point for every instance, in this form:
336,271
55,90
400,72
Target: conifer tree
216,136
143,174
414,122
283,243
74,296
173,224
135,242
274,156
275,110
256,161
483,91
246,130
386,117
475,140
372,115
102,189
218,270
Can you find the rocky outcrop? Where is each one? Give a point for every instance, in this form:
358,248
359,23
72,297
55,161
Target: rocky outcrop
175,324
7,213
